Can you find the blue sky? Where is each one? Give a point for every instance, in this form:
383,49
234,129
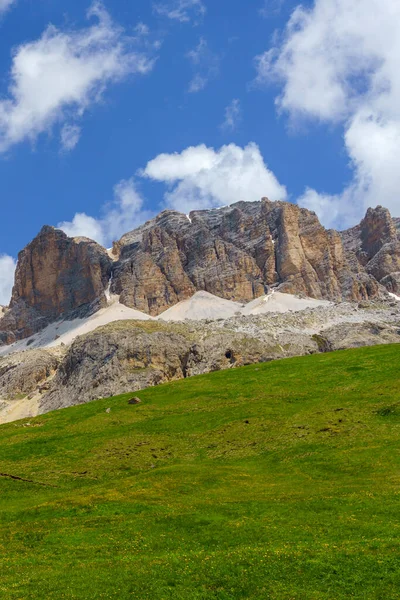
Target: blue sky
110,112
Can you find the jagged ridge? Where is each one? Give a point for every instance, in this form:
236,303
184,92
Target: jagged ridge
236,253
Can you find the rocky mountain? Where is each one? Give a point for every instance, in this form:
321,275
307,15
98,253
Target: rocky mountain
237,253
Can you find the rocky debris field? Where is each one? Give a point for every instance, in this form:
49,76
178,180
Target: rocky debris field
125,356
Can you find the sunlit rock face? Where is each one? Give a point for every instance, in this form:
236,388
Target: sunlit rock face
55,275
236,253
375,245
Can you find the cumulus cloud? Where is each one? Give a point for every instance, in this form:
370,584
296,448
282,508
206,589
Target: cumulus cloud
123,214
82,225
202,177
338,63
233,114
334,211
181,10
5,5
7,270
63,72
205,64
197,178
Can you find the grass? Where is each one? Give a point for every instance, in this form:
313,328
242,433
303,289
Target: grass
275,481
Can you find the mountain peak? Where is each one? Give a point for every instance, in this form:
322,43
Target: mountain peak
237,253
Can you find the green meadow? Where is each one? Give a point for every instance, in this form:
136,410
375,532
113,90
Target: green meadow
273,481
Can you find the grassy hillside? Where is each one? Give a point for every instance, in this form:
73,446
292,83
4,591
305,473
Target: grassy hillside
271,481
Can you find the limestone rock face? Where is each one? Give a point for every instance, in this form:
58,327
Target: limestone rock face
237,253
377,229
23,372
118,358
375,246
55,275
359,335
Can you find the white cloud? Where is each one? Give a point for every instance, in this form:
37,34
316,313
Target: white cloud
181,10
233,113
126,212
206,65
7,271
327,53
123,214
201,177
338,63
142,29
334,211
197,178
198,53
62,73
197,84
82,225
5,5
70,135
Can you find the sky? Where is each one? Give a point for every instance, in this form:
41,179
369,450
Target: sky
113,111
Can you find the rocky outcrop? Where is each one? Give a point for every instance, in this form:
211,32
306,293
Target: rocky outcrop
124,357
375,247
23,373
24,378
376,230
55,275
358,335
236,253
129,356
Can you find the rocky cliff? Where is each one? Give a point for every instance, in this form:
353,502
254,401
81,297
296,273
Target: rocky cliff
375,246
237,252
55,275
